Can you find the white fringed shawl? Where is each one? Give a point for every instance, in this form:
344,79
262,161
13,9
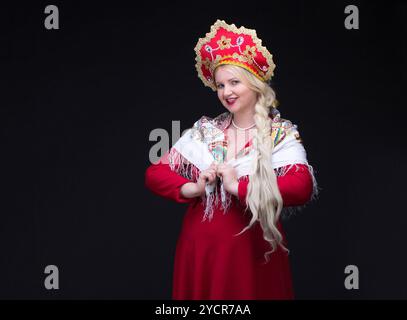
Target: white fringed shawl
205,141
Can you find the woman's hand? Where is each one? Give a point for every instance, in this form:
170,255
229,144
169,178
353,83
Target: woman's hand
192,190
229,178
224,171
206,176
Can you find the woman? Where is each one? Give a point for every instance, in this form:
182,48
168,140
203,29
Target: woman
237,172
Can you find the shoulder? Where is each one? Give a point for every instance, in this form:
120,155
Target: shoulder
220,121
283,129
209,129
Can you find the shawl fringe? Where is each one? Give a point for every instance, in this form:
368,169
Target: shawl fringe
218,196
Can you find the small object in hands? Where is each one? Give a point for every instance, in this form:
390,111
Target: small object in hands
222,191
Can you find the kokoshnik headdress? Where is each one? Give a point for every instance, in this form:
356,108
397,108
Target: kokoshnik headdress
227,44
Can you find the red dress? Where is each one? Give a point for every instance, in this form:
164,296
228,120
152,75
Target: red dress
210,262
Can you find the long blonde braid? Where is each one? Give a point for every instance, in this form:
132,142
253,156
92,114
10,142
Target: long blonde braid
263,196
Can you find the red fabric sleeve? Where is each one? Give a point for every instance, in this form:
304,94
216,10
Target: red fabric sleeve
161,180
295,186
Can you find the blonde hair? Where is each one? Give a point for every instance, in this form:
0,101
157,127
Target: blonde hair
263,196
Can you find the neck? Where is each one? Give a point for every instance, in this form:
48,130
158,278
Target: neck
244,120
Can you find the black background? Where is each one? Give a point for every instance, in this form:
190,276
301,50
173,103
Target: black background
78,105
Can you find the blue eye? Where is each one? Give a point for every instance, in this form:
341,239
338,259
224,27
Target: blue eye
235,82
220,86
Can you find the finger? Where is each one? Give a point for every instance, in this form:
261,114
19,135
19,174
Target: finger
211,178
222,167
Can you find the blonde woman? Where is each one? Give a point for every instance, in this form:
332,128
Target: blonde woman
238,171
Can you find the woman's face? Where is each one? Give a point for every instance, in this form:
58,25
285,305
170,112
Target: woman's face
233,93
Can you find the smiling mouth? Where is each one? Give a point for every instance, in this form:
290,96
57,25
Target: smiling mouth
231,101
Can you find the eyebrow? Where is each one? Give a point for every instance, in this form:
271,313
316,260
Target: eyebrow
231,79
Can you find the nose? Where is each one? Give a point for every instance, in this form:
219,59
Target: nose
227,91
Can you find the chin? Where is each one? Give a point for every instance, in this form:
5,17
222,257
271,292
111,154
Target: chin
233,109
